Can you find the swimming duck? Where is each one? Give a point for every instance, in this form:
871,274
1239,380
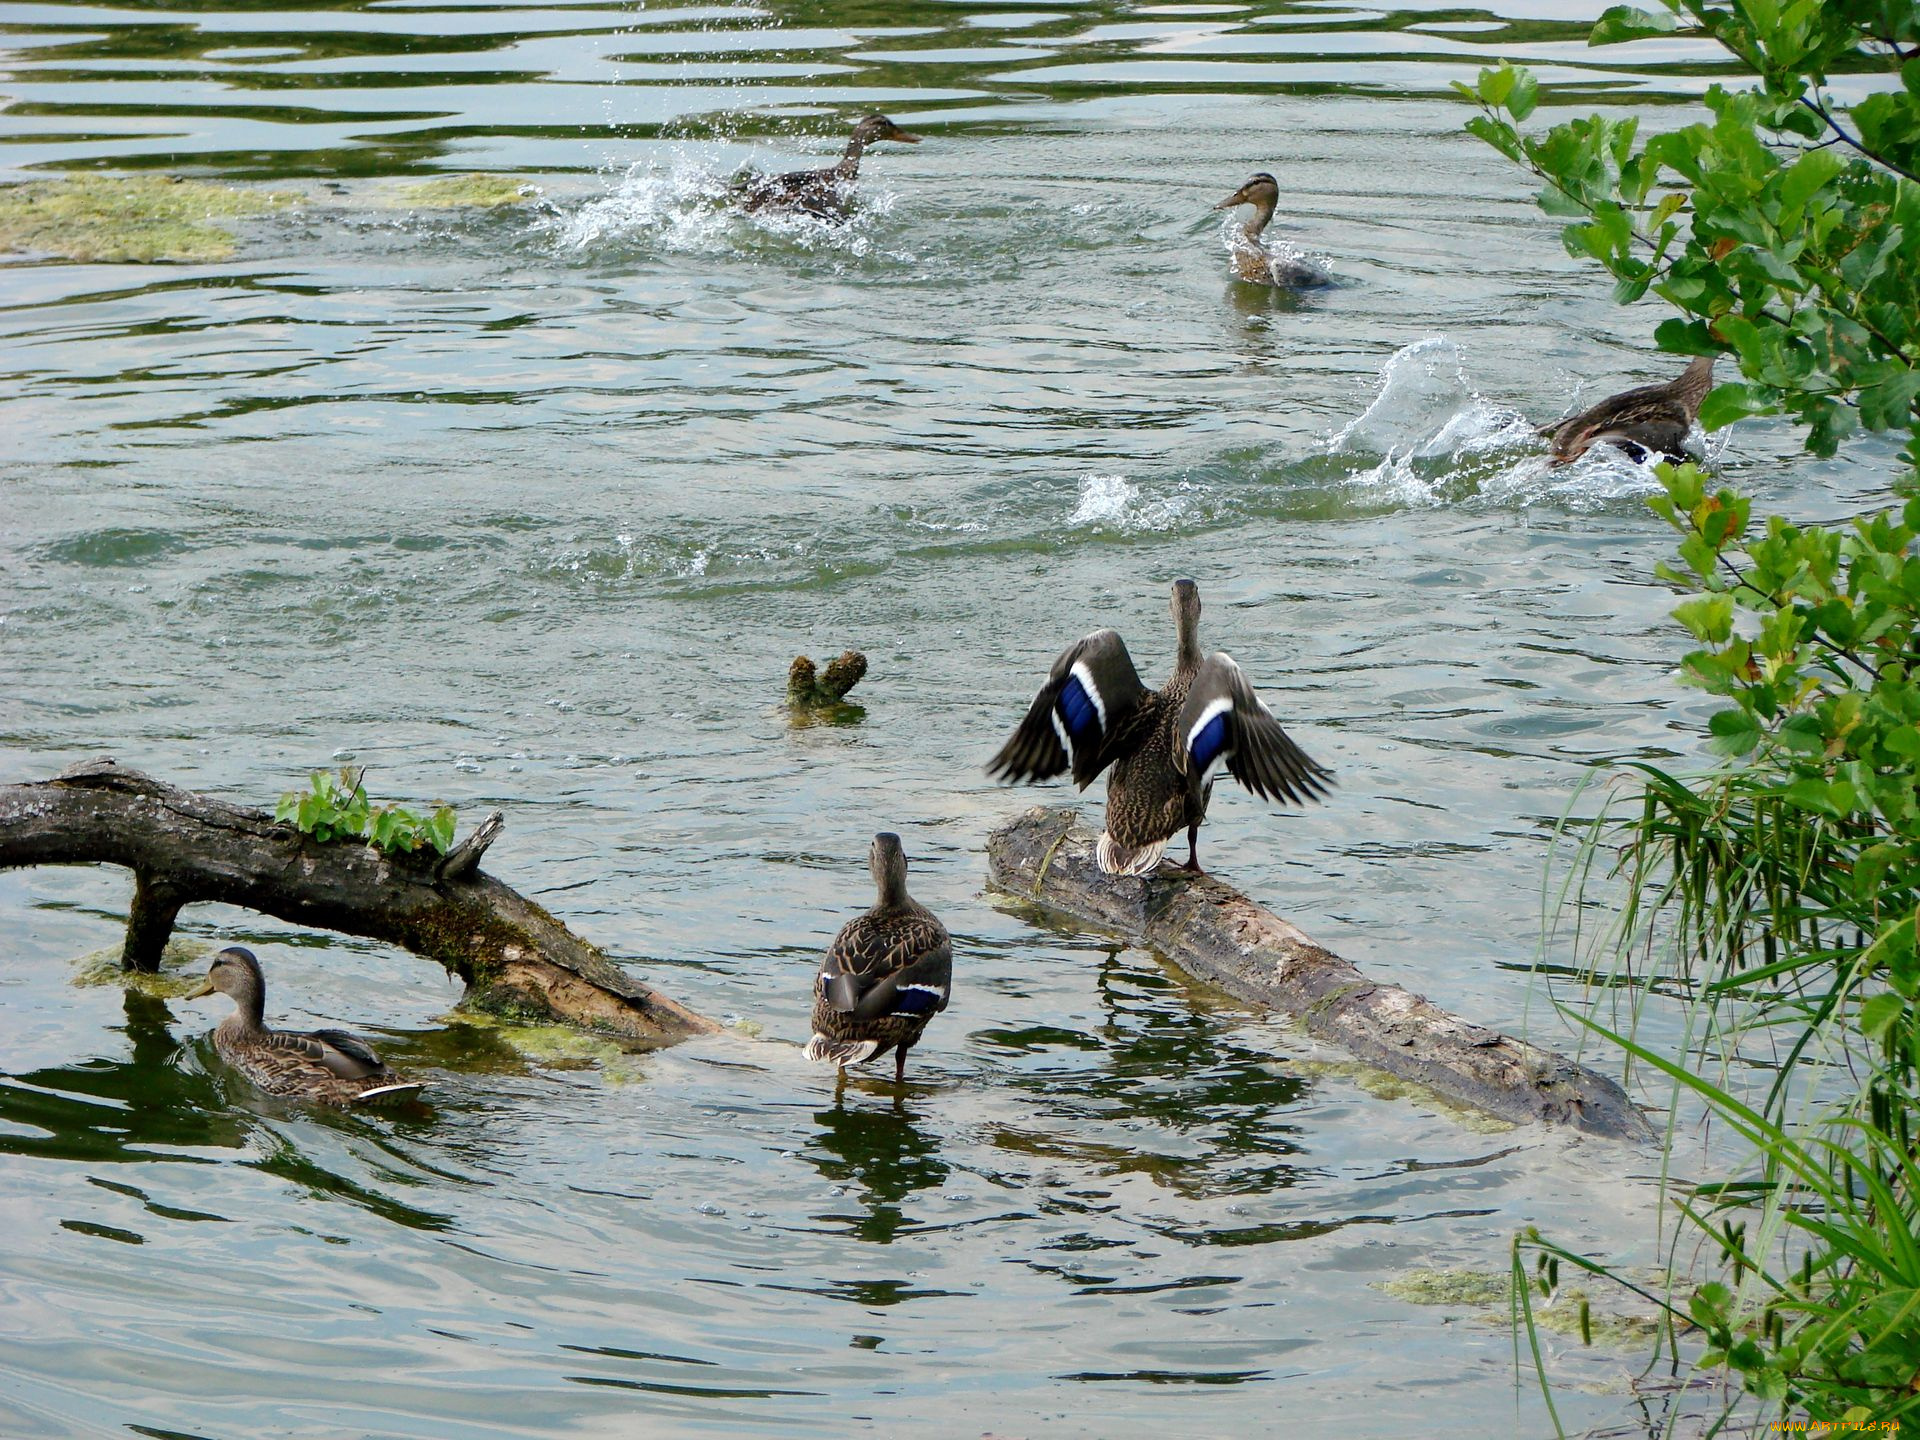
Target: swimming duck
327,1065
824,194
1649,420
886,974
1252,261
1163,744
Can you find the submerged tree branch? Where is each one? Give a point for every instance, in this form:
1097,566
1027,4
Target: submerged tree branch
185,848
1215,933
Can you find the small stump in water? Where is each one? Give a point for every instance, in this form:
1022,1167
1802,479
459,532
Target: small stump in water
821,695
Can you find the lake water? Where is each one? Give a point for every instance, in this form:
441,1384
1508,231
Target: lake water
529,509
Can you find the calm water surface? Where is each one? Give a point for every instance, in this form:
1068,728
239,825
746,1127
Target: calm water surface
529,510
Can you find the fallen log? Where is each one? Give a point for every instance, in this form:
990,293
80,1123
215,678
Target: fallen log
1216,934
185,848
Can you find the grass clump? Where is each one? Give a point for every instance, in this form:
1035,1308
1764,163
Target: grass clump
140,218
1773,891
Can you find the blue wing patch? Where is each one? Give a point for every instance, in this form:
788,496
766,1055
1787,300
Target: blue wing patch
1078,710
916,1000
1209,743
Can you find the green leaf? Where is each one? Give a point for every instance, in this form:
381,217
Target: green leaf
1734,732
1804,735
1807,176
1878,1014
1497,133
1727,403
1627,22
1709,617
1524,95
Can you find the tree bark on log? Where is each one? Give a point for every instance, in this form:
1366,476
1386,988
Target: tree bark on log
185,847
1216,934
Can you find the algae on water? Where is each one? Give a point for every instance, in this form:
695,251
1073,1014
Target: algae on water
141,218
1450,1287
1491,1291
558,1047
182,967
454,192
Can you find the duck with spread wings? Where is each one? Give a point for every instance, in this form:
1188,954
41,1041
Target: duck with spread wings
1163,745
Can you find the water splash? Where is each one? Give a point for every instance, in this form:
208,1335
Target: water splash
1283,252
1112,502
1438,441
686,206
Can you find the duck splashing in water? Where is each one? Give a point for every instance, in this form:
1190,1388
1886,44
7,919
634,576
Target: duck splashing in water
825,194
1253,261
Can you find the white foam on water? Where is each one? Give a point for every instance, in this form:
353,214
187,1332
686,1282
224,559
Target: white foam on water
1112,502
686,206
1440,442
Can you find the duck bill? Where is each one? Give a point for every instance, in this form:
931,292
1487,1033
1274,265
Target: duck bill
1238,197
200,991
905,137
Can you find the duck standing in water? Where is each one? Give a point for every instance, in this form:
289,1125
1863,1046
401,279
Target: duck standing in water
332,1066
1652,420
824,194
1163,744
1252,260
887,973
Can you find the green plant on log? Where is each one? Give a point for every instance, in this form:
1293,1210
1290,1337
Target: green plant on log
1776,891
334,806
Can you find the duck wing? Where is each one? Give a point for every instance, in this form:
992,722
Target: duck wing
1093,702
1223,720
887,964
1649,405
814,191
339,1051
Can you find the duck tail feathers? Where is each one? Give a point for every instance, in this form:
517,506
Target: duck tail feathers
840,1052
399,1090
1117,859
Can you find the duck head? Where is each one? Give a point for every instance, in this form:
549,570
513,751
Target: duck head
236,973
1262,192
879,127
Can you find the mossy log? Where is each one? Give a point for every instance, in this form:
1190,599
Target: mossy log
185,848
1216,934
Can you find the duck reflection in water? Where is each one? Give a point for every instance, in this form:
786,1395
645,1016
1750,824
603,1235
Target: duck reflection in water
885,1154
